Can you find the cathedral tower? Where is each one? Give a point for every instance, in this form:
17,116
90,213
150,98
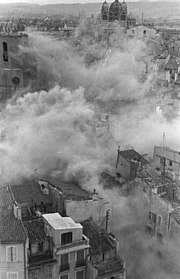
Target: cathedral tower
11,77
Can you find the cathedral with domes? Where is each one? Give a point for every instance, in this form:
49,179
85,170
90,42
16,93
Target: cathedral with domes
117,11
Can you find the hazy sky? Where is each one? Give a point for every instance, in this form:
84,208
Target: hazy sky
54,1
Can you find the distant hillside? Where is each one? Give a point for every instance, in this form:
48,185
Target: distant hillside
150,9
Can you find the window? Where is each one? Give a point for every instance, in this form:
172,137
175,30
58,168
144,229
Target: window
144,32
64,262
80,274
160,237
152,216
133,31
5,52
163,160
12,254
170,163
66,238
80,258
159,220
12,275
64,276
40,246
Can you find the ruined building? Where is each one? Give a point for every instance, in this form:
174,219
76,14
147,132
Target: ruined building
11,76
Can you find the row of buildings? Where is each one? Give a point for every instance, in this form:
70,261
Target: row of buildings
56,231
159,182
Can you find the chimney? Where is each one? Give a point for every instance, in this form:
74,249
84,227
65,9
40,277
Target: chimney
17,211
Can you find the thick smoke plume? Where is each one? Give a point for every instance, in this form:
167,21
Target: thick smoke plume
50,127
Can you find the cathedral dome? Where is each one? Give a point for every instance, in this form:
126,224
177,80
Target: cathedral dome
115,7
124,6
105,6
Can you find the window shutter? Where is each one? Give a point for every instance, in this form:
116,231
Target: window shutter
155,217
8,255
12,275
15,254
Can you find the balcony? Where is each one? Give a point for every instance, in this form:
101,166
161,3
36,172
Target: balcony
64,267
80,263
73,245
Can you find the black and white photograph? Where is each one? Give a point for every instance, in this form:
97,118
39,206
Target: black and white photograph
89,139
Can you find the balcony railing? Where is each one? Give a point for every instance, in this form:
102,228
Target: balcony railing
64,267
84,241
80,263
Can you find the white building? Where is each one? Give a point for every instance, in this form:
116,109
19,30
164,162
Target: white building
141,32
70,245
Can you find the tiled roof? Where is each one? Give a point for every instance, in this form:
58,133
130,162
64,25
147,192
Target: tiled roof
131,154
29,192
69,189
176,215
110,268
41,260
98,241
11,229
35,230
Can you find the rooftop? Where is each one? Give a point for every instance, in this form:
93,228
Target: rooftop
70,190
41,261
61,223
112,267
168,149
11,229
131,154
29,192
35,230
99,241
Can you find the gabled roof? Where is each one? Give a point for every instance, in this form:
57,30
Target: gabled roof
35,230
98,240
29,192
131,154
11,228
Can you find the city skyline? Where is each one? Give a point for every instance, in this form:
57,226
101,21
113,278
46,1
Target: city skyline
60,1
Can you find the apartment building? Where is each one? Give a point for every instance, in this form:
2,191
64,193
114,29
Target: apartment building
13,240
168,161
129,164
71,247
104,260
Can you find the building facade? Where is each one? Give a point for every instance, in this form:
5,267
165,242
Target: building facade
11,76
129,164
117,11
168,161
71,247
104,260
13,240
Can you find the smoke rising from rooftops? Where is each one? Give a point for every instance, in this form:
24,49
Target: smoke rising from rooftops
113,82
51,126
